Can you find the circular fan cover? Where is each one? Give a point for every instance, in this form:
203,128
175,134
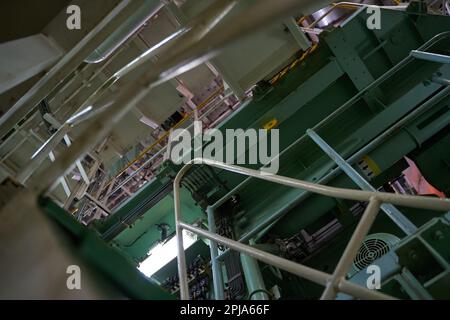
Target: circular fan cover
373,248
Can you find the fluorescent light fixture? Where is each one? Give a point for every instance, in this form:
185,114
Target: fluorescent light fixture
79,114
40,149
162,254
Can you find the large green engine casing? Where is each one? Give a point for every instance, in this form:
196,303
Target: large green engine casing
348,59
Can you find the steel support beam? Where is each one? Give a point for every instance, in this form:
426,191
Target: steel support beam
201,43
333,174
396,216
298,34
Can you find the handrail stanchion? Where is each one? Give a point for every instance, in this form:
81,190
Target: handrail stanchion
351,250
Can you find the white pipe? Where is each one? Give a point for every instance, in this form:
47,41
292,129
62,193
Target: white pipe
351,250
420,202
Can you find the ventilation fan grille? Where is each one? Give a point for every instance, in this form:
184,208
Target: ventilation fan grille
373,248
370,251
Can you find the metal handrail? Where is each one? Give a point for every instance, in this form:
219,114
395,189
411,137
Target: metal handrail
281,212
346,5
334,283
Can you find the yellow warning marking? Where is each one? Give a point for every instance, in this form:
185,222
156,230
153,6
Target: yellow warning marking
271,124
372,165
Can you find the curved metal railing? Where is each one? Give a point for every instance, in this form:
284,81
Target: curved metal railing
334,283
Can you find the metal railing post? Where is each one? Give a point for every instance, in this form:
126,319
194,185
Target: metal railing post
182,269
203,41
315,276
351,250
333,174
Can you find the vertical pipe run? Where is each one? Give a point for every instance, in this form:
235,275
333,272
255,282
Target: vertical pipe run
182,268
215,264
253,278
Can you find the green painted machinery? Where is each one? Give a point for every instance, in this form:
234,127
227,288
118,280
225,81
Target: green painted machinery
323,86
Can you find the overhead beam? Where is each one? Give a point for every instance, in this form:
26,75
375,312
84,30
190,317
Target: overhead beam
23,63
67,64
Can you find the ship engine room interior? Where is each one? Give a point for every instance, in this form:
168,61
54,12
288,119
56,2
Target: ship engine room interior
224,150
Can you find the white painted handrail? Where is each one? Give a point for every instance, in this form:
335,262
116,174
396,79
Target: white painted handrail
333,283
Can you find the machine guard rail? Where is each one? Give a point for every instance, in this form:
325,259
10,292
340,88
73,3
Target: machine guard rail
334,283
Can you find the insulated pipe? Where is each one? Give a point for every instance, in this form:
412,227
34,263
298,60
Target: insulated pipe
125,31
